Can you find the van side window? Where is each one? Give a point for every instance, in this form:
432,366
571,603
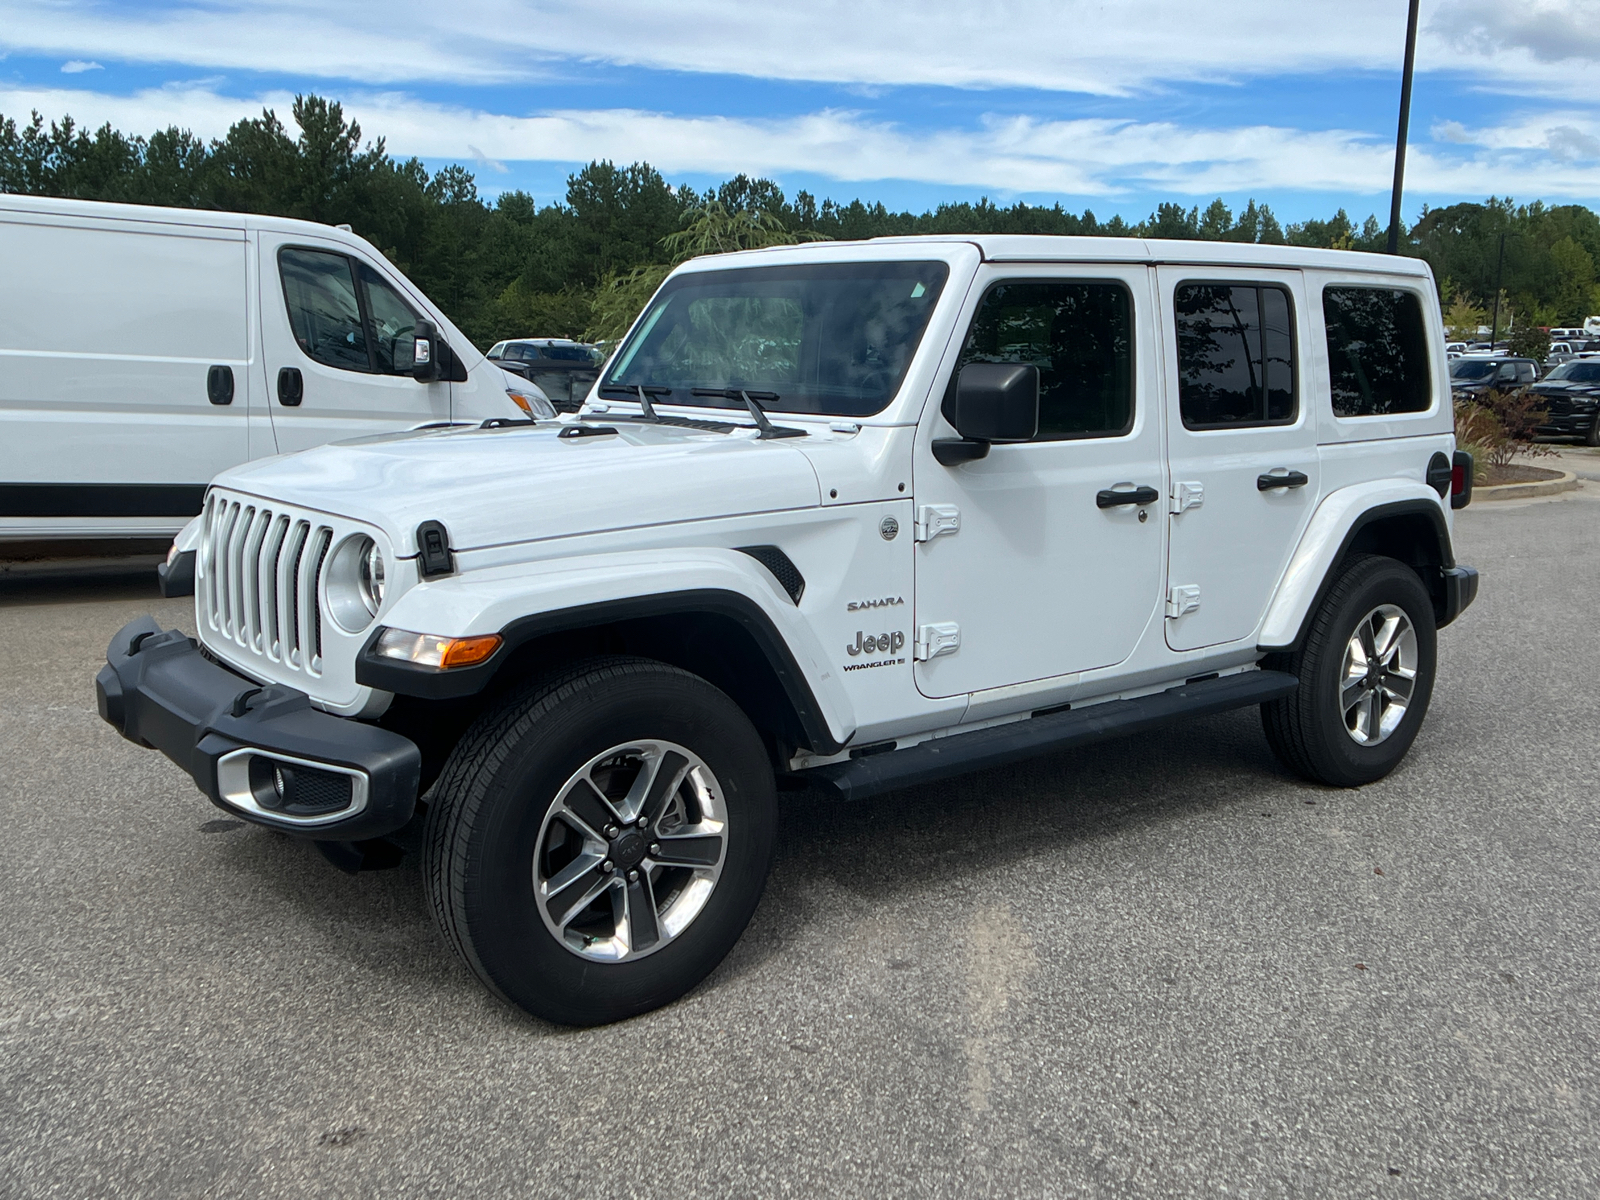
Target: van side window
392,322
323,309
1236,362
1377,351
1079,335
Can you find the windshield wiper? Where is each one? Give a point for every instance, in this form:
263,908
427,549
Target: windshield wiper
767,428
640,392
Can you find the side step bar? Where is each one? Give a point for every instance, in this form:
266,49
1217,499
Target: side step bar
941,758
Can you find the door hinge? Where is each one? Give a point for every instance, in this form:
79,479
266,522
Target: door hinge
1187,494
934,640
1184,598
934,519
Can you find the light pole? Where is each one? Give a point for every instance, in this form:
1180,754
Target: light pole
1400,136
1499,274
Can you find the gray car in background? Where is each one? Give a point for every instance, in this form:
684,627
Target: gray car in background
562,369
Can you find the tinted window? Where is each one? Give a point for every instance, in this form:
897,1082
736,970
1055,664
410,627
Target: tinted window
392,321
323,310
1235,355
1471,369
1377,351
1079,335
830,339
1577,372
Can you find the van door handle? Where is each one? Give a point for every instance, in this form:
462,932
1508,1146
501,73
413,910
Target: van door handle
219,385
291,388
1107,498
1290,479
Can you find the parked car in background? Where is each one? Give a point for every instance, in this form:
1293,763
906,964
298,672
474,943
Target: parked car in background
1559,353
144,350
1454,349
563,369
1571,396
1476,375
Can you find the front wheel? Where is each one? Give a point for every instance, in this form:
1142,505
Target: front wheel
597,843
1366,675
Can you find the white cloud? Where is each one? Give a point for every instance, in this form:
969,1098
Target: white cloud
76,66
1065,45
1006,155
1551,31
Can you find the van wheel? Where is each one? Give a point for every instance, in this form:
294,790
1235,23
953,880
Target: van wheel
598,841
1366,676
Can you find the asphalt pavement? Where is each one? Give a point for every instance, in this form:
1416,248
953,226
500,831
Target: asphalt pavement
1158,967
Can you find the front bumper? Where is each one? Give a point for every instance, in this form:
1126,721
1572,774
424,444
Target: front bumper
260,752
1571,424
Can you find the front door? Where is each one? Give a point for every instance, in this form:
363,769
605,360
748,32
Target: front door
1242,445
330,324
1024,570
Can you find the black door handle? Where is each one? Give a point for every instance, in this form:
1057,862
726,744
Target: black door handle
1293,479
291,388
1106,498
219,385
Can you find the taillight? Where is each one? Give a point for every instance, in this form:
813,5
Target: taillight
1461,479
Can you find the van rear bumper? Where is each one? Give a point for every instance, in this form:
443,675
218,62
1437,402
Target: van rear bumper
259,752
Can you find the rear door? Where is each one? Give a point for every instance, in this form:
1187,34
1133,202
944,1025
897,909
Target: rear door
109,330
331,322
1242,445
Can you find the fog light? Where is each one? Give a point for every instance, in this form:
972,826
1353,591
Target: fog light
431,650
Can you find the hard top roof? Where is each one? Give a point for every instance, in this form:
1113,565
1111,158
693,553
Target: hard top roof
1054,248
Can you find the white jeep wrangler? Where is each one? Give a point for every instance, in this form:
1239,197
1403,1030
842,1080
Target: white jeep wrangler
863,515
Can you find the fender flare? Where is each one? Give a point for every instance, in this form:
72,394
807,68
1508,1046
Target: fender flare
621,587
1328,537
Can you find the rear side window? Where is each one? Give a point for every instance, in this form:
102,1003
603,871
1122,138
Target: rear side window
338,321
1377,351
1079,335
1236,363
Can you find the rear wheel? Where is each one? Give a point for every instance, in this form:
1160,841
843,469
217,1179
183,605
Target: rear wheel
598,842
1366,676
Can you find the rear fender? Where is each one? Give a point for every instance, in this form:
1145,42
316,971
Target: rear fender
534,600
1328,537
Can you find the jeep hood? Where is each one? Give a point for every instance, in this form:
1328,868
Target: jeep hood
524,483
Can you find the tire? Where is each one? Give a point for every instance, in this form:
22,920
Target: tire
1311,731
510,846
1592,438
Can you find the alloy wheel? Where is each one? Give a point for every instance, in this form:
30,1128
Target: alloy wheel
1379,674
630,851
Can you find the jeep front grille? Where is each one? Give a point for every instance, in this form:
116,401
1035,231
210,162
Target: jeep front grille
258,575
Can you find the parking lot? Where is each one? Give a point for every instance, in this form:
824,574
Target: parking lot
1158,967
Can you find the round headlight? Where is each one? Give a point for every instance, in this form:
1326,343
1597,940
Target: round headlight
371,581
354,583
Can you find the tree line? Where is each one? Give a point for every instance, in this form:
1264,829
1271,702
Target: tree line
580,267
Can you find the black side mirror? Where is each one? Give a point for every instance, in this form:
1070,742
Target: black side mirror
992,402
424,352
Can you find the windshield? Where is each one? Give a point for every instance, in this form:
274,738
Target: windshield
1473,368
831,339
1577,372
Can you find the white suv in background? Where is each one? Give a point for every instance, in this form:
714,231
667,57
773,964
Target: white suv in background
853,516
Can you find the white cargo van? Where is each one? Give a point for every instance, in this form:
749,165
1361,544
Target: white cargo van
143,350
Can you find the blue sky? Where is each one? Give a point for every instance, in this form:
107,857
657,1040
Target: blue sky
1109,106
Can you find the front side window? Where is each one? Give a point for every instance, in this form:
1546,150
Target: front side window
1236,362
392,321
344,313
832,339
324,311
1377,351
1079,335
